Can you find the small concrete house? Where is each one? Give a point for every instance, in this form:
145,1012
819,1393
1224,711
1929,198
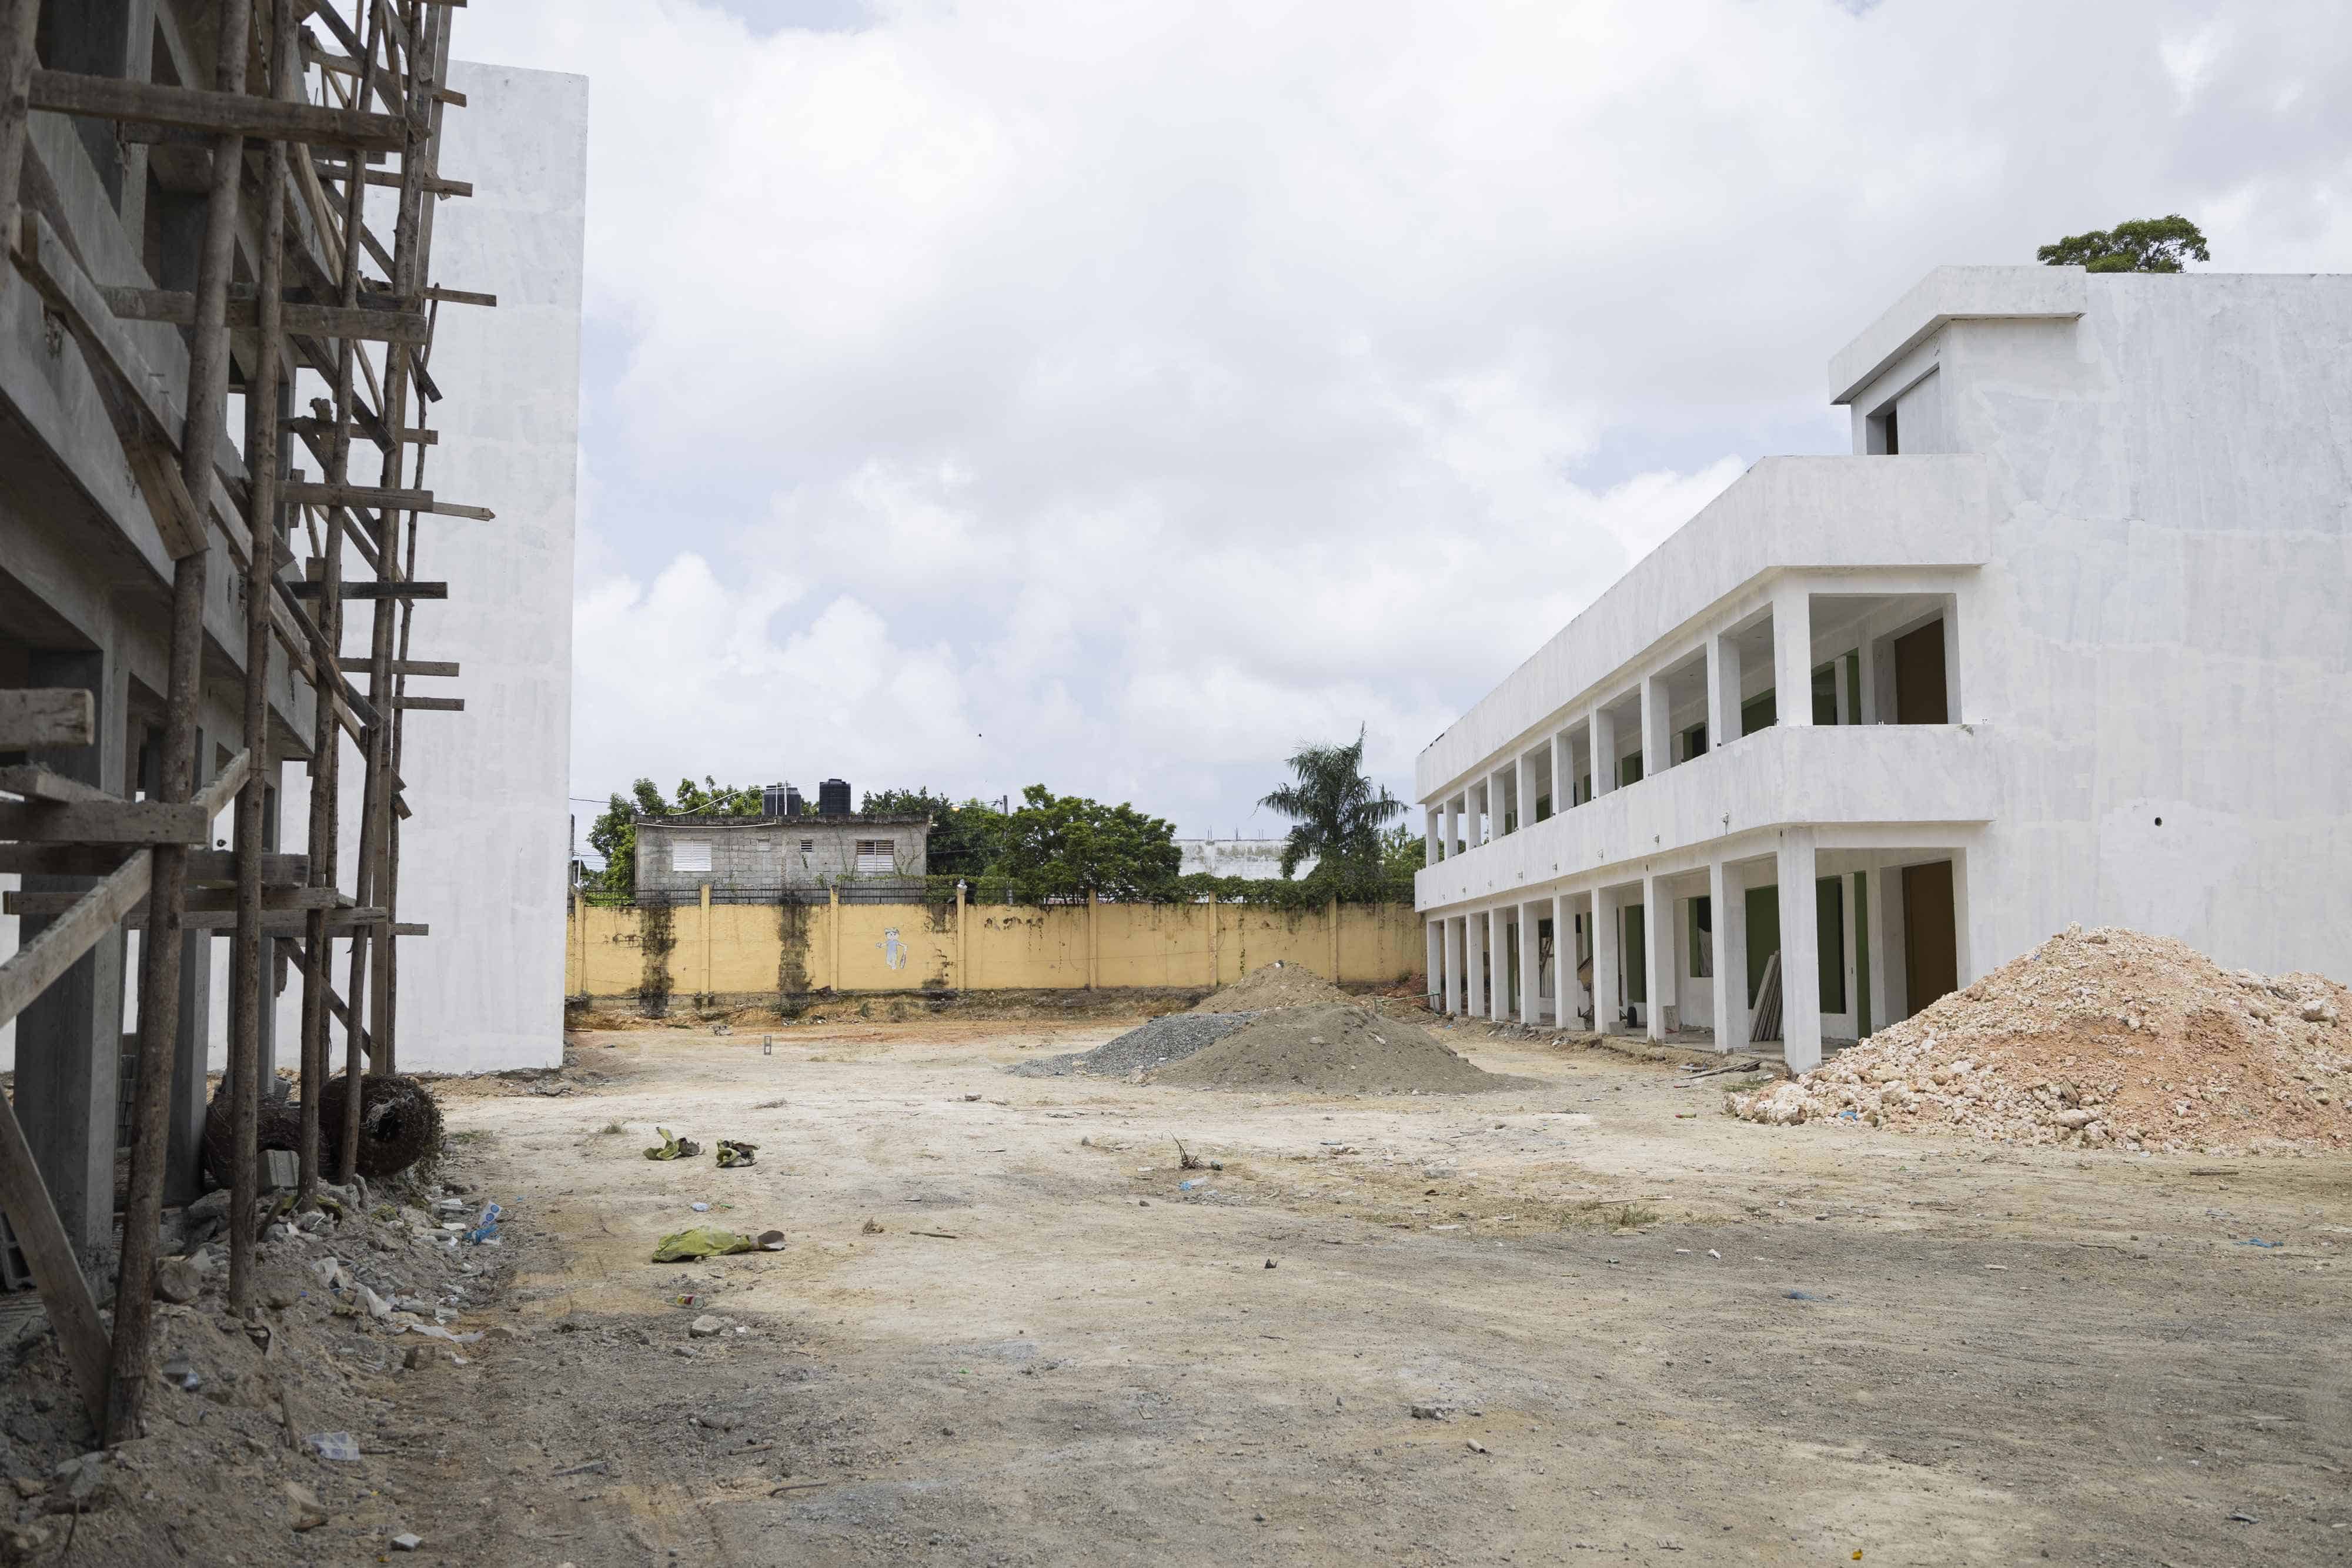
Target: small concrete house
2066,639
756,859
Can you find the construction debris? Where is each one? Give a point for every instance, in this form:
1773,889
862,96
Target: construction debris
701,1241
2100,1039
400,1122
673,1148
1169,1038
1276,985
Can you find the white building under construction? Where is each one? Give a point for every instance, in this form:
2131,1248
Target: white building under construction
2066,639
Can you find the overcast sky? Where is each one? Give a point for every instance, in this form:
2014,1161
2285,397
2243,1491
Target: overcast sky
1114,396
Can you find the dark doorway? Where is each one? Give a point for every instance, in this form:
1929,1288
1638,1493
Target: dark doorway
1919,676
1931,936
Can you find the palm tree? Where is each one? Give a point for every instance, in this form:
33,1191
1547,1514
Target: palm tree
1338,811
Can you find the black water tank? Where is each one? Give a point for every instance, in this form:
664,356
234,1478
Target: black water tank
833,797
775,800
792,804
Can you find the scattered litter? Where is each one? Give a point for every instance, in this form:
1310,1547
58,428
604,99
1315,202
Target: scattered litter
2240,1516
340,1445
486,1228
699,1207
2258,1241
734,1152
673,1148
771,1241
1713,1254
180,1373
407,1541
937,1235
701,1241
870,1228
1474,1446
1802,1296
1997,1268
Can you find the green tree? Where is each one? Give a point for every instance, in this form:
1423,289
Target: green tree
613,834
1338,812
963,838
1403,852
2144,245
1061,846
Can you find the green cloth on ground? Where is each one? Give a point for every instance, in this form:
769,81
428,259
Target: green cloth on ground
734,1152
673,1148
702,1242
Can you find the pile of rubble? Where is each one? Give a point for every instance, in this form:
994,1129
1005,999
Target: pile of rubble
275,1423
2100,1039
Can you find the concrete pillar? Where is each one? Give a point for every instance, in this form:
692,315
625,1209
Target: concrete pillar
1453,827
1800,975
1845,695
1604,752
1874,881
1564,780
1728,670
1891,927
1953,712
1657,727
1527,786
1726,891
1530,989
70,1039
1434,977
1866,672
1965,947
1431,838
1473,965
1792,653
707,941
1498,801
1657,954
1564,988
1605,958
1453,939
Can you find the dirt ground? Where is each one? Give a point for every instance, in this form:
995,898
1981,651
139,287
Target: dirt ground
1592,1318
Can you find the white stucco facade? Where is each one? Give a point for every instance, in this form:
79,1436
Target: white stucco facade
2069,639
483,857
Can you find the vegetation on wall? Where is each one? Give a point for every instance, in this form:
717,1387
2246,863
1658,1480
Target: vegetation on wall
963,838
613,834
1060,846
2144,245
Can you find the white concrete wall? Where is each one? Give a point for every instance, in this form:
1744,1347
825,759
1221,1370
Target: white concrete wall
482,860
2151,662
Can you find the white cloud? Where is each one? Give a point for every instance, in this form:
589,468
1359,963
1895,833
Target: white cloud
1114,394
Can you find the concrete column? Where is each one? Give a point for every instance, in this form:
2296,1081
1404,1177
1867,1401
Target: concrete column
1435,826
1453,827
1473,965
1657,727
1844,689
1452,929
1498,801
1728,670
1530,990
1953,712
1527,783
1866,668
1891,926
1604,752
1498,964
1801,951
707,954
1434,977
1726,891
1564,988
1605,958
1563,777
1874,881
1965,947
1657,954
70,1039
1792,655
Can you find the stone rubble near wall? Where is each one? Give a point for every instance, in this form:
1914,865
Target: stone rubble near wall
2097,1040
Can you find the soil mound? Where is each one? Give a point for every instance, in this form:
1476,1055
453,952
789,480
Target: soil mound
1278,984
1333,1047
1169,1038
2100,1039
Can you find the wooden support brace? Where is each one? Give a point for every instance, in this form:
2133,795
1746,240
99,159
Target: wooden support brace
40,716
318,495
460,296
179,307
432,704
225,113
356,662
104,822
57,1273
91,915
206,868
375,589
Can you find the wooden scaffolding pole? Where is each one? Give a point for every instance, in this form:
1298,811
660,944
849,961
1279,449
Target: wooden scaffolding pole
160,952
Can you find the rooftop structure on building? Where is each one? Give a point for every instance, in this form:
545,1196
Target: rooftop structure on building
2064,638
788,848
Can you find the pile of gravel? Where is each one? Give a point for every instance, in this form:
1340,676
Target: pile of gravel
1270,986
1333,1048
1155,1044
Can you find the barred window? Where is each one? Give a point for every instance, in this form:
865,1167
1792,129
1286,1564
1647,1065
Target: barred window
876,857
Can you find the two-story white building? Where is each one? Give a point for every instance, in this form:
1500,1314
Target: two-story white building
2068,638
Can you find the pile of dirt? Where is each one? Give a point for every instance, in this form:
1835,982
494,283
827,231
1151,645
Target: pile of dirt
2100,1039
1334,1047
1164,1040
1278,984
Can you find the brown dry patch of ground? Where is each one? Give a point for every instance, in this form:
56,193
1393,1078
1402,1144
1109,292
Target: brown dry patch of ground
1642,1332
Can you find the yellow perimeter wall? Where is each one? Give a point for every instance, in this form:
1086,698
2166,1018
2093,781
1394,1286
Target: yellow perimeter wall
733,949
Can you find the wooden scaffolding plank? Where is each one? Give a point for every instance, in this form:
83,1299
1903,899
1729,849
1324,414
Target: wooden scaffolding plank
223,113
178,307
40,716
76,931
